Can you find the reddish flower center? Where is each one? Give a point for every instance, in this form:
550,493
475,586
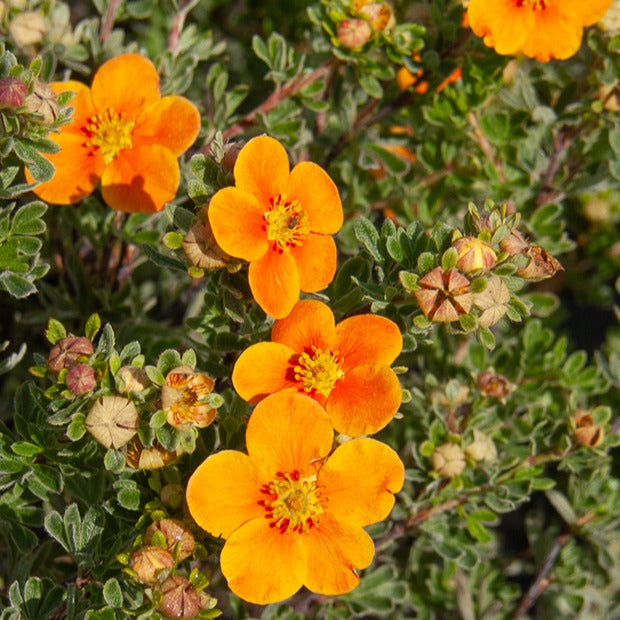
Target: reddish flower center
319,370
293,502
110,132
535,5
287,222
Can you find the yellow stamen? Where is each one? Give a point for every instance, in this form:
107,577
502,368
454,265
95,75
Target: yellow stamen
110,133
287,223
318,371
535,5
294,502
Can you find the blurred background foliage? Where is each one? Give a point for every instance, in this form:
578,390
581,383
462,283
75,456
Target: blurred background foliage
530,528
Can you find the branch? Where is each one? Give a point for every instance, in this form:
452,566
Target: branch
485,145
178,22
108,20
290,89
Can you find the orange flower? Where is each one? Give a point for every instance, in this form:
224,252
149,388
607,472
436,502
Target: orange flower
291,514
345,367
281,222
124,134
541,29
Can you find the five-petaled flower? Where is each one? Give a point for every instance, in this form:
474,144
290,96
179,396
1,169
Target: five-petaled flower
541,29
291,514
281,222
344,367
124,134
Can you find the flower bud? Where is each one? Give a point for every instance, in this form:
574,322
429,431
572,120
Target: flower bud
482,448
179,540
586,432
12,92
27,28
133,379
514,243
80,379
448,460
201,248
67,352
474,255
43,101
494,385
541,266
112,421
179,599
181,397
444,295
379,14
353,34
148,561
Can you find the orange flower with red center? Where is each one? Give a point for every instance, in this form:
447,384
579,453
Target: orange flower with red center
281,222
124,134
291,514
344,367
541,29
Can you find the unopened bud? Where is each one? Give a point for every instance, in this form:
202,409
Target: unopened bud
178,539
448,460
67,352
43,101
180,599
133,379
482,448
494,385
80,379
112,421
147,562
474,255
27,28
201,248
354,33
586,432
12,92
514,244
182,398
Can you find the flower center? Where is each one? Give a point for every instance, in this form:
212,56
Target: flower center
287,222
535,5
294,502
319,370
110,133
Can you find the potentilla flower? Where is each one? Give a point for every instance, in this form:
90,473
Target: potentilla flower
541,29
281,222
344,367
124,134
291,514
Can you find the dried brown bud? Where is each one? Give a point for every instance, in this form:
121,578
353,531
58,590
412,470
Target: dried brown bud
482,448
353,34
147,562
541,266
181,397
179,540
201,248
12,92
474,255
494,385
27,28
80,379
68,352
112,421
444,295
43,101
133,379
180,599
586,432
449,460
155,457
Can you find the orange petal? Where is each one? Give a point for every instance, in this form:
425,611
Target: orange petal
360,479
316,262
223,493
365,400
367,338
318,195
587,12
310,323
238,224
261,564
288,432
263,369
333,550
82,104
141,180
77,171
125,84
274,281
262,169
556,35
173,122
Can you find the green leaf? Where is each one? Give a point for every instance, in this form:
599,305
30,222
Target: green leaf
112,593
55,331
27,220
40,168
368,236
16,285
114,461
25,448
93,325
372,86
477,530
449,258
161,260
486,337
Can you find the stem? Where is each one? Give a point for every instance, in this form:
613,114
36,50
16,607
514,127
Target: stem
108,19
178,23
485,145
